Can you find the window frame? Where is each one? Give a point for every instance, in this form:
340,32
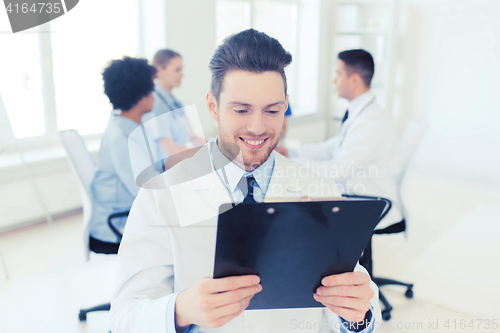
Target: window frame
51,136
324,45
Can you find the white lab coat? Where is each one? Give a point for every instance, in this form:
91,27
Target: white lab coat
166,249
361,158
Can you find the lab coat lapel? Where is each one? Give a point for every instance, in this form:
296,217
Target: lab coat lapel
198,197
285,182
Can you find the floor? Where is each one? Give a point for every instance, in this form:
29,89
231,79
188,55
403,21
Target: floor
49,281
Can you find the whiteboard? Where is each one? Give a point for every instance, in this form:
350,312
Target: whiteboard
6,134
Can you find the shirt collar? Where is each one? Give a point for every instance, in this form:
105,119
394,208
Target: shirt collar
127,125
233,173
359,103
163,93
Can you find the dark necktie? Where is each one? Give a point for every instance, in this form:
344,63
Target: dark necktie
250,184
345,116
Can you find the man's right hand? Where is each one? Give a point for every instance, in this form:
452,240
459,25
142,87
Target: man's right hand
214,302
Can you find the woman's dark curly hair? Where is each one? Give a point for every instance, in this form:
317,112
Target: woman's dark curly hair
127,81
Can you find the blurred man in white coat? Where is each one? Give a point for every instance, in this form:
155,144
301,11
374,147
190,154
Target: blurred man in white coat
361,157
166,257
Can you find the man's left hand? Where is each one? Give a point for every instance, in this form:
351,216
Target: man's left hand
348,295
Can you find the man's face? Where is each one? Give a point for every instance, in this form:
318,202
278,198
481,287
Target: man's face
342,81
250,116
172,74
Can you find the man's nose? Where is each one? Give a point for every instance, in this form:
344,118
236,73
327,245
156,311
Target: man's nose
257,124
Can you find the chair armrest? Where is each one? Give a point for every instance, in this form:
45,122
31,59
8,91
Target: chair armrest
388,203
113,228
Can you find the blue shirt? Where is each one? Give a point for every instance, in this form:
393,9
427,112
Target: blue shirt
113,189
167,120
177,125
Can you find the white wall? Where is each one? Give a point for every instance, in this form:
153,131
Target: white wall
191,32
449,74
452,82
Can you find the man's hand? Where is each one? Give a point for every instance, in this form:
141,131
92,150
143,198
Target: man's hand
213,302
282,150
347,295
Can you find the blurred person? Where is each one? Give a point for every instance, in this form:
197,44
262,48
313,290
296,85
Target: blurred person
360,157
174,134
129,84
288,113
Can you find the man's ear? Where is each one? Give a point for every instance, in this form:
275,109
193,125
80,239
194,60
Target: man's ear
286,102
212,106
357,79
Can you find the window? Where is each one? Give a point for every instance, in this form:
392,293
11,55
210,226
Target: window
21,82
50,81
231,17
80,100
297,31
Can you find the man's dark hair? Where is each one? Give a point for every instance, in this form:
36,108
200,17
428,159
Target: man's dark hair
127,81
249,50
359,61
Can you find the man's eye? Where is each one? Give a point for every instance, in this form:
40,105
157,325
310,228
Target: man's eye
240,111
273,112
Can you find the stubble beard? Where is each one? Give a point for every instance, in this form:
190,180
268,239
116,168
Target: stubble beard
229,146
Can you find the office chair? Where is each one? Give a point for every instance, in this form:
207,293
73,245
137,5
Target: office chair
407,146
84,167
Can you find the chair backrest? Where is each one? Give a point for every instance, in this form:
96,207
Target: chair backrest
84,167
408,144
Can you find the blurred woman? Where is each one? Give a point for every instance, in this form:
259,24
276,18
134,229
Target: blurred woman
173,133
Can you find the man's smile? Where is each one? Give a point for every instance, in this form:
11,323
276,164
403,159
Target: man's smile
254,143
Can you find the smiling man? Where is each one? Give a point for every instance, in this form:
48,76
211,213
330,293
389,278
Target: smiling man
166,257
250,115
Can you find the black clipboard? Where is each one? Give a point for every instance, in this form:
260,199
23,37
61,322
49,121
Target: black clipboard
293,245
